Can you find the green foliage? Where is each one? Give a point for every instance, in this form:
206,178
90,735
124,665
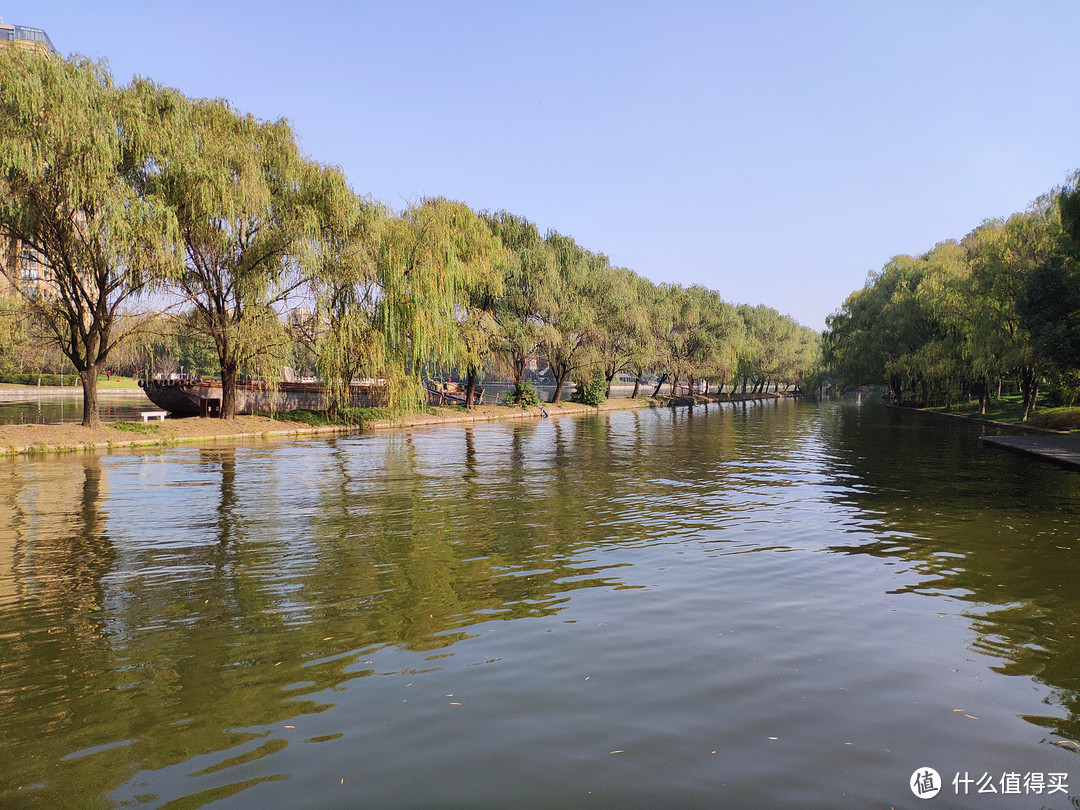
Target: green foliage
1049,302
592,391
249,209
526,394
71,149
527,267
1003,304
32,379
144,190
344,417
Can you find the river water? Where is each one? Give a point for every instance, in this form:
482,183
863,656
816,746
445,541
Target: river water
774,605
54,406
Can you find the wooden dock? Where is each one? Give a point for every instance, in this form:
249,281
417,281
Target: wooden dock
1061,449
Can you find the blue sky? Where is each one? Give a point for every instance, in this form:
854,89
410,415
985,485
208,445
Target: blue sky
773,151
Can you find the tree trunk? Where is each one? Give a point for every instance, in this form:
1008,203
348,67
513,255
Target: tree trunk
610,377
470,388
660,384
983,390
637,387
675,385
560,380
89,397
517,374
1028,387
897,389
229,373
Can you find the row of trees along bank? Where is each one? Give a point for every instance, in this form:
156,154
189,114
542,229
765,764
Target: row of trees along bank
998,309
152,208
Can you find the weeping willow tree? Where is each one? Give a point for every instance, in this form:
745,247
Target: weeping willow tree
69,163
528,268
567,311
429,259
249,215
477,322
344,329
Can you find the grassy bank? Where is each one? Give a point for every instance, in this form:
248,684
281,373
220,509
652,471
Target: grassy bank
57,381
1007,411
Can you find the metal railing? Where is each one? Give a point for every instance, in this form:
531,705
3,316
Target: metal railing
29,35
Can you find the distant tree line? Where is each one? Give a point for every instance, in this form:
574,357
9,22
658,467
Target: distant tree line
179,232
998,310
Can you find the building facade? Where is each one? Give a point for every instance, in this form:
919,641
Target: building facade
33,39
20,263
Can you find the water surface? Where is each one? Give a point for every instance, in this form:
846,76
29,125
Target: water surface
742,606
55,406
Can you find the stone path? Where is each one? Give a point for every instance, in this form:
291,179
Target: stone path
1062,449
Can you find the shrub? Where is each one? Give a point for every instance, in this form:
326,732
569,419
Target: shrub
32,379
593,391
528,394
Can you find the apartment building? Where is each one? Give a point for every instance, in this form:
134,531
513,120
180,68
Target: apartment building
28,266
34,39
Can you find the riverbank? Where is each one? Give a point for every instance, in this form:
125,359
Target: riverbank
1059,446
30,439
1064,449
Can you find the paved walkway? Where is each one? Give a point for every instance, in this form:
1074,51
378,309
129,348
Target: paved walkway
1062,449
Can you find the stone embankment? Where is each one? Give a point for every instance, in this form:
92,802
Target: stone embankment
1062,449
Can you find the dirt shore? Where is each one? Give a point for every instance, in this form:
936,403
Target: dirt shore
32,439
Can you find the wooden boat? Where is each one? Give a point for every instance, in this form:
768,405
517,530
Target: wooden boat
450,393
187,397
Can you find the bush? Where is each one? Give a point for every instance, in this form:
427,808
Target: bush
347,416
32,379
593,392
527,393
966,407
1056,418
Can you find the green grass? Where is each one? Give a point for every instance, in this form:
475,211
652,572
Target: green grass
1008,410
115,382
69,381
1056,418
144,428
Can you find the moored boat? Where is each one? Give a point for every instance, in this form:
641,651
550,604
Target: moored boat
186,397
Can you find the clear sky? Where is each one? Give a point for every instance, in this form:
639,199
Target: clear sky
773,151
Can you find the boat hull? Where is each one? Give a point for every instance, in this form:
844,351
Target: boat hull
203,398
